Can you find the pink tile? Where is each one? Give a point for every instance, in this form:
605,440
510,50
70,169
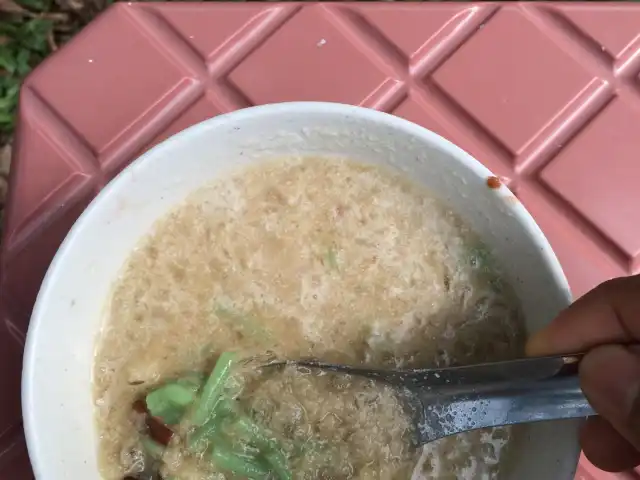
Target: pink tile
16,466
50,166
193,22
102,92
196,113
512,78
410,110
10,355
583,260
596,21
598,174
308,58
60,174
25,265
408,28
417,112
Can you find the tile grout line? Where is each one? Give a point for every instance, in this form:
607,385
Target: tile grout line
252,37
429,91
551,140
20,240
627,65
458,115
539,151
386,56
578,45
55,127
180,97
567,210
150,123
167,41
361,34
584,50
387,97
228,96
222,90
549,20
433,58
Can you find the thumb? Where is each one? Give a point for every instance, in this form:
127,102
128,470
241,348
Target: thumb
610,379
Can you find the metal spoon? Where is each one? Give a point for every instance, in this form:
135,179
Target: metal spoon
446,401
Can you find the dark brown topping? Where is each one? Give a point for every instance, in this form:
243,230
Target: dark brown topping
140,406
156,428
158,431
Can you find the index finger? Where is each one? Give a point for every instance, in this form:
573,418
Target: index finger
610,313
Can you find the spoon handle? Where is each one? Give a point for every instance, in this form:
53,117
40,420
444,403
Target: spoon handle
528,390
531,369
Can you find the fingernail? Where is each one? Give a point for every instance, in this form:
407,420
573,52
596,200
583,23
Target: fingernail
535,345
539,344
610,378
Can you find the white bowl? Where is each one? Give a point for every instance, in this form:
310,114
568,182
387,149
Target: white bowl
56,384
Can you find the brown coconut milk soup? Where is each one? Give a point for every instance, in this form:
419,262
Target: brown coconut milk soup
295,258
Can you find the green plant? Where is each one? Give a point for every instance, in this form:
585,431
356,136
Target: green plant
26,38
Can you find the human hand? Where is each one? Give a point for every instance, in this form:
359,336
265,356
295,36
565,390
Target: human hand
600,323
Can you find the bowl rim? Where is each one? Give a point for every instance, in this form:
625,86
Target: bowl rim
38,316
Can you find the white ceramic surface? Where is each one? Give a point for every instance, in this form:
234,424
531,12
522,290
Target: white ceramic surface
57,400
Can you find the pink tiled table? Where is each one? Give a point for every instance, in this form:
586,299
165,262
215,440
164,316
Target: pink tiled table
546,95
